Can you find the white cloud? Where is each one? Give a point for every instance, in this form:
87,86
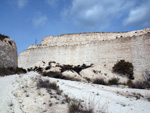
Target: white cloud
139,16
52,3
39,20
103,13
21,3
56,3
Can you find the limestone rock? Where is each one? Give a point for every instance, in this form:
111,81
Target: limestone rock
101,72
72,74
93,48
8,52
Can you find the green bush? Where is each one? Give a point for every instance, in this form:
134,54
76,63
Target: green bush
63,68
66,67
20,71
11,71
37,69
6,71
99,81
130,83
141,85
53,74
113,81
124,68
138,84
47,68
77,68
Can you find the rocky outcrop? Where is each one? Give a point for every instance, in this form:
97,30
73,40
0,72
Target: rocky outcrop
8,52
96,48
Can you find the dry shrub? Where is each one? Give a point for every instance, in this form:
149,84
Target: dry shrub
76,107
99,81
58,75
47,84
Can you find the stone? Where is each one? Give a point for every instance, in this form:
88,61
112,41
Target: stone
72,74
8,52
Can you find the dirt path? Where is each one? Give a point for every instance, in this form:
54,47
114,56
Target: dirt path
7,99
106,97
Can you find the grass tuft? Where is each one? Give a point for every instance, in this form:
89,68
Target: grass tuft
47,84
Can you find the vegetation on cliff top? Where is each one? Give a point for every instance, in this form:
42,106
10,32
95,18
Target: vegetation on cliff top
2,37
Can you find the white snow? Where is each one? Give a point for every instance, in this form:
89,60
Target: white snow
101,98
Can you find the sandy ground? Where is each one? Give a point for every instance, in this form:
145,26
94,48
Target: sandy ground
101,98
8,103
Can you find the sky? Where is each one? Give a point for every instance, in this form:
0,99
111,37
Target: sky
27,22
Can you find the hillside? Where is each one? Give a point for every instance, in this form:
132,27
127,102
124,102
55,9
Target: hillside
20,93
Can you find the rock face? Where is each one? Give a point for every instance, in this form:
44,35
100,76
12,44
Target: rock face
96,48
8,52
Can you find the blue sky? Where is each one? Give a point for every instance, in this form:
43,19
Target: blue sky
28,20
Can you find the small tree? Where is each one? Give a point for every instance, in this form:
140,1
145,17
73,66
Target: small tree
124,68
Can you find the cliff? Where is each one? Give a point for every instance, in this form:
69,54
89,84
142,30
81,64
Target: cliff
96,48
8,52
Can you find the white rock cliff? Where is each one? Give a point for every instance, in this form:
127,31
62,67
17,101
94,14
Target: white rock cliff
92,48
